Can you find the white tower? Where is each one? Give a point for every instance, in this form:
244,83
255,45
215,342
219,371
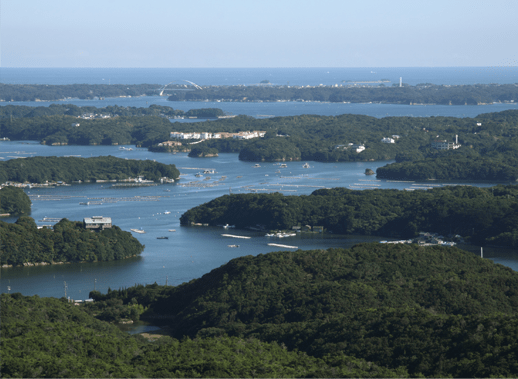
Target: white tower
401,81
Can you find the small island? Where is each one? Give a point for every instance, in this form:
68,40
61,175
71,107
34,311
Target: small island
94,239
74,169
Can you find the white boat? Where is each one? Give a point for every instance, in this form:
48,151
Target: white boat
172,230
305,165
140,231
167,212
257,165
284,165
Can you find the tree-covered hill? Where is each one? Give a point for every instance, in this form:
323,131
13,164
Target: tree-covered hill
17,111
419,94
69,169
481,215
432,311
68,241
488,143
51,338
35,92
14,201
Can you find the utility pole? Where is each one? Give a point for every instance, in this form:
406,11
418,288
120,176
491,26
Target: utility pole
65,285
95,282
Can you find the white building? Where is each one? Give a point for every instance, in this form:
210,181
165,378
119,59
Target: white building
97,222
388,140
357,148
444,145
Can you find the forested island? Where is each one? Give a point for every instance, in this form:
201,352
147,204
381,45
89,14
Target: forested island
90,112
14,201
480,215
487,144
370,311
75,169
68,241
45,92
424,93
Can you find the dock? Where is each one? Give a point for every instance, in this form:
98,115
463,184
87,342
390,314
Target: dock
234,236
286,246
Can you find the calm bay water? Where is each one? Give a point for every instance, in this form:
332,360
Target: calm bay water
190,252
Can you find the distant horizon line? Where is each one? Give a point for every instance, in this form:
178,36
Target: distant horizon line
292,67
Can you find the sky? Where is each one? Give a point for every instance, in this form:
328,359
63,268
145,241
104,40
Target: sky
266,33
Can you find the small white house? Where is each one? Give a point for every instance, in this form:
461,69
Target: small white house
358,148
388,140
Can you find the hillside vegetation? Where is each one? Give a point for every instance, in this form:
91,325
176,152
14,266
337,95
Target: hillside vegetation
14,201
480,215
488,151
69,169
431,311
68,241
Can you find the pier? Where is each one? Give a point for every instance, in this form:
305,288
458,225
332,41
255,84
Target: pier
286,246
234,236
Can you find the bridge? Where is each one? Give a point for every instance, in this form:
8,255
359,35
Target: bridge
174,81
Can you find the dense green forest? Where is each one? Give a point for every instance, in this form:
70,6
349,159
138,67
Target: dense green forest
35,92
69,169
17,111
420,94
480,215
370,311
426,93
424,311
14,201
489,142
203,151
50,338
68,241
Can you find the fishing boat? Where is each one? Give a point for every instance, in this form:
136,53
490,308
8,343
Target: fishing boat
140,231
233,245
162,238
167,212
305,165
172,230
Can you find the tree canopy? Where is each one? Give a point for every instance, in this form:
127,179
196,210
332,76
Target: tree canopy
480,215
68,241
14,201
69,169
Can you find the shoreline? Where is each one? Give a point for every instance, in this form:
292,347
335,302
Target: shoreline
33,264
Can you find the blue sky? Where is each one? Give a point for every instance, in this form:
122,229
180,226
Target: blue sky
266,33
